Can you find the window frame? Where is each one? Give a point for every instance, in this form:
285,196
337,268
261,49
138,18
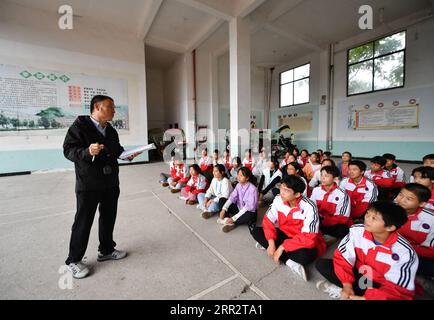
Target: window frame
373,63
293,81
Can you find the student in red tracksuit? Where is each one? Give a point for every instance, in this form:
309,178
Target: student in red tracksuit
205,162
227,160
197,184
249,161
333,204
297,240
361,190
179,176
419,229
398,175
380,176
373,262
425,177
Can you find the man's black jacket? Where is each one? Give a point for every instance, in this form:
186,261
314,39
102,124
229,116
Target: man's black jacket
90,175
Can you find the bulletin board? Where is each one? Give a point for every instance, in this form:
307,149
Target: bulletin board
386,117
298,122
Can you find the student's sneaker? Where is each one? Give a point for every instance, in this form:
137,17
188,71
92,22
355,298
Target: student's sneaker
175,190
182,198
259,246
165,184
329,240
115,255
333,290
79,270
229,227
191,202
222,221
207,215
297,269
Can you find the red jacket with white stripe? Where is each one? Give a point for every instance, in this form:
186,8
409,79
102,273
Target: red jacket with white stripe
333,205
361,195
398,176
382,178
197,184
228,163
419,230
300,224
179,173
249,163
205,164
392,264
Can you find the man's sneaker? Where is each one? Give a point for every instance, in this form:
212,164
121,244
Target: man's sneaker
115,255
79,270
175,190
228,227
207,215
297,269
165,184
333,290
329,240
259,246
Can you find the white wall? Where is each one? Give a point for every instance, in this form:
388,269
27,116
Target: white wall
32,38
155,98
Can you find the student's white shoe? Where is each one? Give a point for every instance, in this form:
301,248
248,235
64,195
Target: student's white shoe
258,246
182,198
333,290
297,269
79,270
222,221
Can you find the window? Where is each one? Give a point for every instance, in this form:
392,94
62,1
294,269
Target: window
378,65
294,86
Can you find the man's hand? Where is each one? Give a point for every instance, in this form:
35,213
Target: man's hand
271,248
95,149
278,253
347,291
131,157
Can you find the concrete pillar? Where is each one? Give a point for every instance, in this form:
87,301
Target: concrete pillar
240,97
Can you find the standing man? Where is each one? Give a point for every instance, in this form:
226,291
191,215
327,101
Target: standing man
93,145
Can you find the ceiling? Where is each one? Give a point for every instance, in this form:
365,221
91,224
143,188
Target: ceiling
281,30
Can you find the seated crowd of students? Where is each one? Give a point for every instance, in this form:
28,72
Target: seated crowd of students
385,224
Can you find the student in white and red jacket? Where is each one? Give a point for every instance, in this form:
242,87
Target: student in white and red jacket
248,161
398,175
425,177
287,159
361,190
179,176
373,262
196,185
333,204
296,241
205,162
419,229
380,176
227,160
164,176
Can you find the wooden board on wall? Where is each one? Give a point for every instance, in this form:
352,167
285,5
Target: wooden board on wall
298,122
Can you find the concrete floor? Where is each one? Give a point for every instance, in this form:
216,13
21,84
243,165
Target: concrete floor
173,252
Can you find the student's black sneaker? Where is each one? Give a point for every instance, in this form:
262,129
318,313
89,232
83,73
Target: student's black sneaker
115,255
207,215
165,184
175,190
79,270
229,227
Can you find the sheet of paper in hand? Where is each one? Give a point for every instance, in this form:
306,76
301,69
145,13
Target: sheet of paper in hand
130,152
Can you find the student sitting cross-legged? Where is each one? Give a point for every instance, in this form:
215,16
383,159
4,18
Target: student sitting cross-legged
333,204
419,229
165,176
196,185
218,193
179,175
296,241
241,207
373,262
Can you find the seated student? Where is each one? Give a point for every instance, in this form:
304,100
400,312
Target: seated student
227,160
165,176
248,160
326,155
303,159
396,172
233,176
425,177
333,204
196,185
321,155
380,177
216,159
217,194
296,153
292,169
296,241
205,162
373,262
316,180
261,165
312,166
242,203
361,190
271,176
287,159
419,229
346,157
427,161
179,176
